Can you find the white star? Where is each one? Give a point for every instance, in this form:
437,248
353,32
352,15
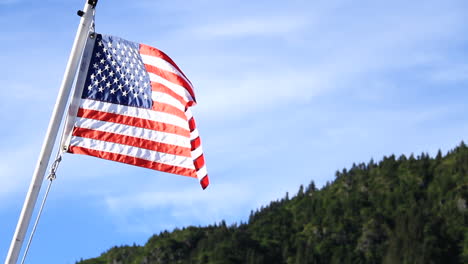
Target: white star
118,45
90,87
141,78
92,76
111,73
112,91
113,62
116,80
118,57
137,83
117,68
120,87
98,55
127,70
106,67
100,44
102,61
114,51
101,89
127,59
135,95
132,76
108,84
95,65
109,44
96,83
124,93
104,49
145,84
126,82
132,65
145,96
103,78
99,71
141,90
131,88
109,56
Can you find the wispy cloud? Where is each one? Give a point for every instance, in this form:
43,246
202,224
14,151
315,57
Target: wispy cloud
16,168
180,205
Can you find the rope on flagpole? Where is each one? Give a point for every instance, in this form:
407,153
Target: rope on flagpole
52,176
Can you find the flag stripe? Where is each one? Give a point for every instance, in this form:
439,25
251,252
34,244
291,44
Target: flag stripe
135,112
202,172
162,97
132,121
158,136
176,87
205,182
148,50
164,65
195,143
194,134
134,161
169,76
197,152
132,141
150,155
157,87
199,162
168,108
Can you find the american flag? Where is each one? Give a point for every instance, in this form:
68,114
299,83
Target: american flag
135,109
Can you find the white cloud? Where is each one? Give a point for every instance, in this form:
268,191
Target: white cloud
16,168
183,206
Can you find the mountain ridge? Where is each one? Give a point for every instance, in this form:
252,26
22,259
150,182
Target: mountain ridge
399,210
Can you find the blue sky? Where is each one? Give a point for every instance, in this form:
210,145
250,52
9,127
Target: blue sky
288,92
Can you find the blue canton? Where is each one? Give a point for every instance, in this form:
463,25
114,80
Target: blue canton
117,74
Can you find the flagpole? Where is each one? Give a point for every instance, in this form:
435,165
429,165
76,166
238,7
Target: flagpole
87,18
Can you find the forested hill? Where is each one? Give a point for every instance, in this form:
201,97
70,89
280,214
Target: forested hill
399,210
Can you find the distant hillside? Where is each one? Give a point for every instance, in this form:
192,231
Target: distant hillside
399,210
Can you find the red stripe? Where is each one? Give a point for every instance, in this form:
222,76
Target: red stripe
132,141
157,87
192,124
151,51
134,161
132,121
169,109
205,182
172,77
195,143
199,162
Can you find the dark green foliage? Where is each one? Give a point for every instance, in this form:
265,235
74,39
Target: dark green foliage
401,210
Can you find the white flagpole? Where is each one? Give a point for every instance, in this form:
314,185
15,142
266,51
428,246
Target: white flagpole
87,18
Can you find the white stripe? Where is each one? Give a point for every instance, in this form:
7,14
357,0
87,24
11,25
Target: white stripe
163,65
202,172
188,113
157,136
135,112
197,152
167,99
178,89
131,151
194,134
